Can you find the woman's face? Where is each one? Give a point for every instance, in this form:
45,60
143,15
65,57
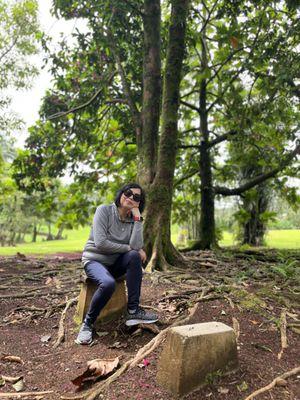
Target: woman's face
127,199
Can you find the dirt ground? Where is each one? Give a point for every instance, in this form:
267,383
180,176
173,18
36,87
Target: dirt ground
253,287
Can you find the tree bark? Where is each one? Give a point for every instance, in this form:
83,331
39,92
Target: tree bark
157,226
151,92
206,234
34,234
255,227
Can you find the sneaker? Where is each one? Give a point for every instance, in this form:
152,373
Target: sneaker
140,317
85,335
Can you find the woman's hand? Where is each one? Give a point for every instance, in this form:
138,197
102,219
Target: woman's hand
135,212
143,255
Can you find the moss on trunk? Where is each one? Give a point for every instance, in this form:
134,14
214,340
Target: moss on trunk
157,227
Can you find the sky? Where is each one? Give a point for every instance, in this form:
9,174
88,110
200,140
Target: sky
27,103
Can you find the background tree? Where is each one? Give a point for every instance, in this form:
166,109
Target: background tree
224,76
19,37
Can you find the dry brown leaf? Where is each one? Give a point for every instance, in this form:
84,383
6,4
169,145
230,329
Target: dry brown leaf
12,359
96,368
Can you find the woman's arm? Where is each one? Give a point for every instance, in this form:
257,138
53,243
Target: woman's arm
136,240
100,226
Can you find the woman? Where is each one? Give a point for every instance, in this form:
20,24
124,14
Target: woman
115,248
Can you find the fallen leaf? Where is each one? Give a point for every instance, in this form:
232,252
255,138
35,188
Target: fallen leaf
2,381
253,321
281,382
12,359
223,390
96,368
261,347
11,379
118,345
19,385
100,334
21,256
146,362
242,387
45,338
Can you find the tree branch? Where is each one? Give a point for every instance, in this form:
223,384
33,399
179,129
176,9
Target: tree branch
136,115
221,138
185,103
81,106
260,178
187,176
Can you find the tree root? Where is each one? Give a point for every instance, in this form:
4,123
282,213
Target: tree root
283,324
141,354
24,394
275,382
61,329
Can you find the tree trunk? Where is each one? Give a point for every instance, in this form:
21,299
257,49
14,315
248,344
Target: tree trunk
59,233
207,235
254,229
34,234
49,236
157,226
151,93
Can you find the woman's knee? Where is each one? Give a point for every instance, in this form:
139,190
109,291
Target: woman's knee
108,286
134,256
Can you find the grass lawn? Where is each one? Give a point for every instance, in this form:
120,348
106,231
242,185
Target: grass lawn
279,239
287,239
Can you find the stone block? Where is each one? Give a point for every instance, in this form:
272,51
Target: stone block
113,309
192,352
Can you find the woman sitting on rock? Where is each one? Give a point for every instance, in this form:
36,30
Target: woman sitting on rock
115,248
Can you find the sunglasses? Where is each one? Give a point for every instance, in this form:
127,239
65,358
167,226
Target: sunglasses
136,197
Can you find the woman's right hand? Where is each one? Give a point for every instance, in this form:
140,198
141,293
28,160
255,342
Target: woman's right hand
143,255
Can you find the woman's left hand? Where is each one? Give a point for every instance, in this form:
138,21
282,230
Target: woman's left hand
143,255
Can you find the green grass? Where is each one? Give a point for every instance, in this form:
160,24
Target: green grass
75,242
280,239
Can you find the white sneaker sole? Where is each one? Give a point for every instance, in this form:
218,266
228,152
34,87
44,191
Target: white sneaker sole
83,343
132,322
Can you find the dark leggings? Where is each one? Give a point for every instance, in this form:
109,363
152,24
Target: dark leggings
105,277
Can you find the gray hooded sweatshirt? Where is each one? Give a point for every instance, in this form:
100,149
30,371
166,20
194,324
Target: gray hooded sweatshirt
110,236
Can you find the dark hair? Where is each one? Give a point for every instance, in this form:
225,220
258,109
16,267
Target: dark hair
131,186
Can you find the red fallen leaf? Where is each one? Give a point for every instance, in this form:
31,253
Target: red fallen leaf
96,368
146,362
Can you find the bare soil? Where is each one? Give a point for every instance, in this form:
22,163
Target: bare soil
254,287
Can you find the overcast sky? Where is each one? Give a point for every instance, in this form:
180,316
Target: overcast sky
27,103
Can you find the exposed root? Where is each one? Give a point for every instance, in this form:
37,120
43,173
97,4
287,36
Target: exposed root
275,382
236,328
61,329
141,354
283,325
24,394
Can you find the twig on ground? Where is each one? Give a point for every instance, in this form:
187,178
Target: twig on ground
275,382
61,329
229,299
236,328
141,354
24,394
284,343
